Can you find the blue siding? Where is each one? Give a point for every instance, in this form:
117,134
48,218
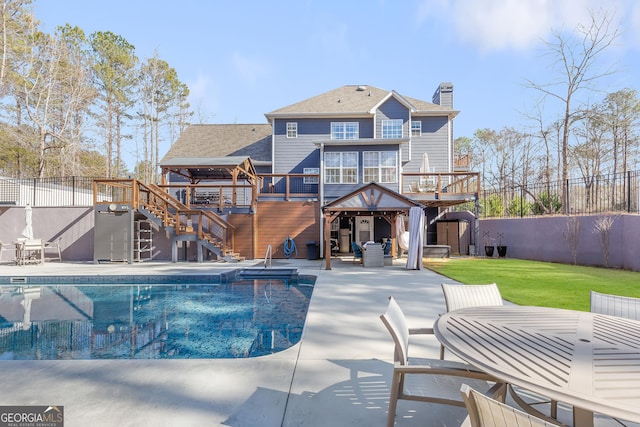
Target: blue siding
291,155
433,141
392,109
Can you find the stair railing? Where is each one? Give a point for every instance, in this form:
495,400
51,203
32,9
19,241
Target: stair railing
267,256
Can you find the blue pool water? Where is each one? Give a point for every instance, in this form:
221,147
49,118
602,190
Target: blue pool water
241,318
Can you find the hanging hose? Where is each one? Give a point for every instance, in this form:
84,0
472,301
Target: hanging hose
289,247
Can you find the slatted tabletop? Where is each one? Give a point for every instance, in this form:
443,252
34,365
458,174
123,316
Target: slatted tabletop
591,361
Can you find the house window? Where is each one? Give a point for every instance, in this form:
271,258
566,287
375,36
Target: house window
292,130
416,128
311,179
392,128
380,166
345,130
341,168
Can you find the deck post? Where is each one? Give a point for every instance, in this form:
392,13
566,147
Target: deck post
327,240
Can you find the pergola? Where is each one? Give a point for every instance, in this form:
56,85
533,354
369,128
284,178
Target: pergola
197,169
371,199
237,170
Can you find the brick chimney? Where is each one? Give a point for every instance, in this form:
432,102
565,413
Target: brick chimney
444,95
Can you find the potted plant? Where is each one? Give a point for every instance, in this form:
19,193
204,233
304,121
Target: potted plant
502,249
488,245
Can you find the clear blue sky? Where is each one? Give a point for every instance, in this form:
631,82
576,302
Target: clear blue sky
242,59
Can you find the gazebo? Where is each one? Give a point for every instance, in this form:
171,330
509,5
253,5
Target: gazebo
372,199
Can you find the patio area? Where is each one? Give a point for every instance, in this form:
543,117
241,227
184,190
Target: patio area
339,375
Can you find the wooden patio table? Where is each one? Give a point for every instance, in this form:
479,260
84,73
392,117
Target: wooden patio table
590,361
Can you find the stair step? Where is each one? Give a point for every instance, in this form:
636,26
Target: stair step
261,273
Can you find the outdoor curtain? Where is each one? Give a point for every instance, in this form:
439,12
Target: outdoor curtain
416,231
401,234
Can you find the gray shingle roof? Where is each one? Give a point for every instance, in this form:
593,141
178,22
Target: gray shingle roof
249,140
351,100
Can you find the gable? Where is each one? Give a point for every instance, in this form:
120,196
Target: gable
372,198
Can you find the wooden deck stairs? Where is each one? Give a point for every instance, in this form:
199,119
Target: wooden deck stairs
208,229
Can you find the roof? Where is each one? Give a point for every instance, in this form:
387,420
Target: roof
354,100
210,168
204,161
221,140
371,197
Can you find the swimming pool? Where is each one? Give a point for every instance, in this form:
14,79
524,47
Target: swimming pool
169,319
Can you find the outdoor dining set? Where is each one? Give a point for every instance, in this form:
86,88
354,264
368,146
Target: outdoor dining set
32,251
520,365
29,250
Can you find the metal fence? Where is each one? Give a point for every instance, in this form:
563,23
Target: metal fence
599,194
603,193
66,191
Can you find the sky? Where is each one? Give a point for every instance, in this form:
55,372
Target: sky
242,59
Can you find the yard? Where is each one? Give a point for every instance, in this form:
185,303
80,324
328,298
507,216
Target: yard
539,283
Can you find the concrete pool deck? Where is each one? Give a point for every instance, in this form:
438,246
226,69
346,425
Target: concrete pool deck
338,375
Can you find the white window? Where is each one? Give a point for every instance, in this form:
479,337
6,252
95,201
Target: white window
341,168
416,128
392,129
380,166
311,179
345,130
292,130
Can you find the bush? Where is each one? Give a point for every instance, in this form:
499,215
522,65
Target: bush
546,204
493,206
519,207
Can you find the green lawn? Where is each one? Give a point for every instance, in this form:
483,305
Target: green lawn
539,283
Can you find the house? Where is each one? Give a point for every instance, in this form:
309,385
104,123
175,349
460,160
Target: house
316,151
353,135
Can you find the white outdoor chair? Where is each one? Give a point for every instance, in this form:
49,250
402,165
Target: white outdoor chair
487,412
31,250
6,247
55,246
463,296
427,380
615,305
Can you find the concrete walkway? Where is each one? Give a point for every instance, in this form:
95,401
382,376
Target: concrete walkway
338,375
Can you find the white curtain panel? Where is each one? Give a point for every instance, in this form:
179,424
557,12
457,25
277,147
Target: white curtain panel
401,234
416,231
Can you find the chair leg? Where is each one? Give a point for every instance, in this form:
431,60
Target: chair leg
396,383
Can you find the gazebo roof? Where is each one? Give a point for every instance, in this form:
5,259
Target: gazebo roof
371,198
211,168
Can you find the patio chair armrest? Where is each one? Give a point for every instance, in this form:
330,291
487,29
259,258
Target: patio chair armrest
444,370
420,331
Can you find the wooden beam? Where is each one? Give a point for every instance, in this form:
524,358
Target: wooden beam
327,241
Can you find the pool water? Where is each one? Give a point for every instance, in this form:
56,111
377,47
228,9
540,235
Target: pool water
244,318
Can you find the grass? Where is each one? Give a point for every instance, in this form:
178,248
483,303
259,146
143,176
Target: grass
539,283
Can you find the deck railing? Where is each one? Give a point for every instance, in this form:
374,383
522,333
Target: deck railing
221,196
288,186
172,212
453,183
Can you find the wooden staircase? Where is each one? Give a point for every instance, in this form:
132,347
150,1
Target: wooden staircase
210,231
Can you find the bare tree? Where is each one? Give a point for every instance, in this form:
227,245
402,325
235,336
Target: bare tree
575,59
570,234
51,89
602,227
